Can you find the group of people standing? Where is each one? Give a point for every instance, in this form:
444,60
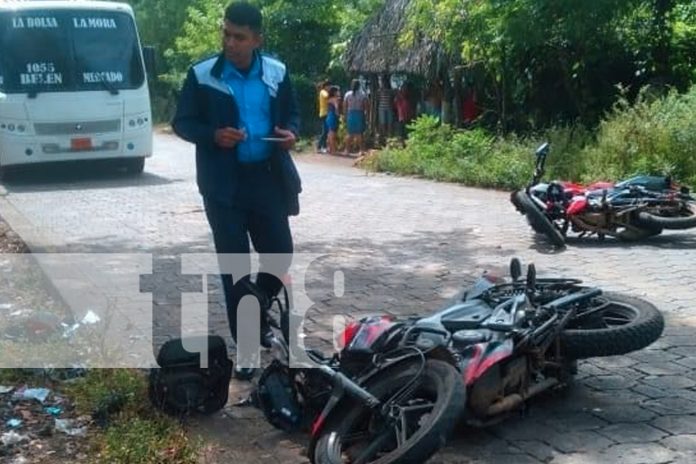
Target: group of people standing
354,107
394,111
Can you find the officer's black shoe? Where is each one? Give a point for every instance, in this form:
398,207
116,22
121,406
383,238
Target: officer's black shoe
244,373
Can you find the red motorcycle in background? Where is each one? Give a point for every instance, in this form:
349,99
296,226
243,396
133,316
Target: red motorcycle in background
633,209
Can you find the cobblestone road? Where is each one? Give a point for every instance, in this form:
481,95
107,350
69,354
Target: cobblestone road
404,246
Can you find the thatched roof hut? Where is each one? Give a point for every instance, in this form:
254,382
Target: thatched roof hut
376,49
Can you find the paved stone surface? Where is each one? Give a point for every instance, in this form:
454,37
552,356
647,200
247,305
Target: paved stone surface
404,246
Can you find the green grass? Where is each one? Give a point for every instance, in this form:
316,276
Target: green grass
649,136
136,433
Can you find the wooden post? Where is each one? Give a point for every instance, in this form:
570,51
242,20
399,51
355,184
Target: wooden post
458,97
372,123
446,99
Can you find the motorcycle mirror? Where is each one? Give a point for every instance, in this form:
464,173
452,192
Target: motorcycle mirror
543,149
531,276
515,269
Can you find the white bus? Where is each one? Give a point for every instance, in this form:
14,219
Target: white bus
73,84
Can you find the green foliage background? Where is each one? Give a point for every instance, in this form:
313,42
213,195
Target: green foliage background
651,136
308,35
564,70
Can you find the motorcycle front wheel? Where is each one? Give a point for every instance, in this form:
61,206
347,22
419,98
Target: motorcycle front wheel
408,428
611,324
538,220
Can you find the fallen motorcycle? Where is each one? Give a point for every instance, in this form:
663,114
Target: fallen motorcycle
634,209
396,389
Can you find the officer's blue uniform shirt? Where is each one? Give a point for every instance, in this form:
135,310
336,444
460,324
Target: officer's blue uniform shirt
254,103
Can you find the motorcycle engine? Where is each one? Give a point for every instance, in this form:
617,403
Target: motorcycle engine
595,219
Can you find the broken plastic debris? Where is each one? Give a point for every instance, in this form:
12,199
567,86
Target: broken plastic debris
4,390
12,438
38,394
5,306
90,318
53,410
66,426
14,423
69,329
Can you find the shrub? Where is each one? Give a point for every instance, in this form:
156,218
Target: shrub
651,136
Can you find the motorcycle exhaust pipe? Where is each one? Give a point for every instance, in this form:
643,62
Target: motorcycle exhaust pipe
510,402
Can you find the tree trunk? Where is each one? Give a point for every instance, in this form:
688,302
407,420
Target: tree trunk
446,99
457,110
661,28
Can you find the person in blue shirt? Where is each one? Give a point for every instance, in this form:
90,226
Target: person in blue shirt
240,110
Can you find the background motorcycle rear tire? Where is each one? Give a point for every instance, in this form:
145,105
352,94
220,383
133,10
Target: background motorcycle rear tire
630,235
447,412
643,330
538,220
676,223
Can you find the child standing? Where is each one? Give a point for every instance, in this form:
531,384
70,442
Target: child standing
332,119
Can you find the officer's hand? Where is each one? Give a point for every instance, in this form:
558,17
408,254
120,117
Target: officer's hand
229,137
287,136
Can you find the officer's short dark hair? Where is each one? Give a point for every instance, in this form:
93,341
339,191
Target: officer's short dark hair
244,14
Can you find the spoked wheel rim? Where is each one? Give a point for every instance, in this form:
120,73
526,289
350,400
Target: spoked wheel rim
611,324
544,285
606,314
373,435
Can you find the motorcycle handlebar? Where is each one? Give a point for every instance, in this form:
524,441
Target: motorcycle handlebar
343,382
541,154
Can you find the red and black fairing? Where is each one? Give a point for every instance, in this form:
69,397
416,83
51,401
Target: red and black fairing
365,335
478,358
358,342
576,197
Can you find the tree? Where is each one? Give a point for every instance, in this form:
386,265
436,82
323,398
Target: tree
553,60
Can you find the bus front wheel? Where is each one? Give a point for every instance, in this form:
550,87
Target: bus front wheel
135,165
4,174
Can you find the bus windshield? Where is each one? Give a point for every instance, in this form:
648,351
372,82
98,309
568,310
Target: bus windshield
68,50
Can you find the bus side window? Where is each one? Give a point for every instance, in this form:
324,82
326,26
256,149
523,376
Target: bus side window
150,59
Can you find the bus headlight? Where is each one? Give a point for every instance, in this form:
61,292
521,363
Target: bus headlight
15,127
138,122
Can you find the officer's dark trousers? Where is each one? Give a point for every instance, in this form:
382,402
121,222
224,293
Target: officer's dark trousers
258,213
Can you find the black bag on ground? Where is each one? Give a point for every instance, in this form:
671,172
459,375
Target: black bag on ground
181,386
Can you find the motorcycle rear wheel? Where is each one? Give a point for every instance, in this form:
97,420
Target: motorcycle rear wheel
626,324
664,222
538,220
630,235
354,433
